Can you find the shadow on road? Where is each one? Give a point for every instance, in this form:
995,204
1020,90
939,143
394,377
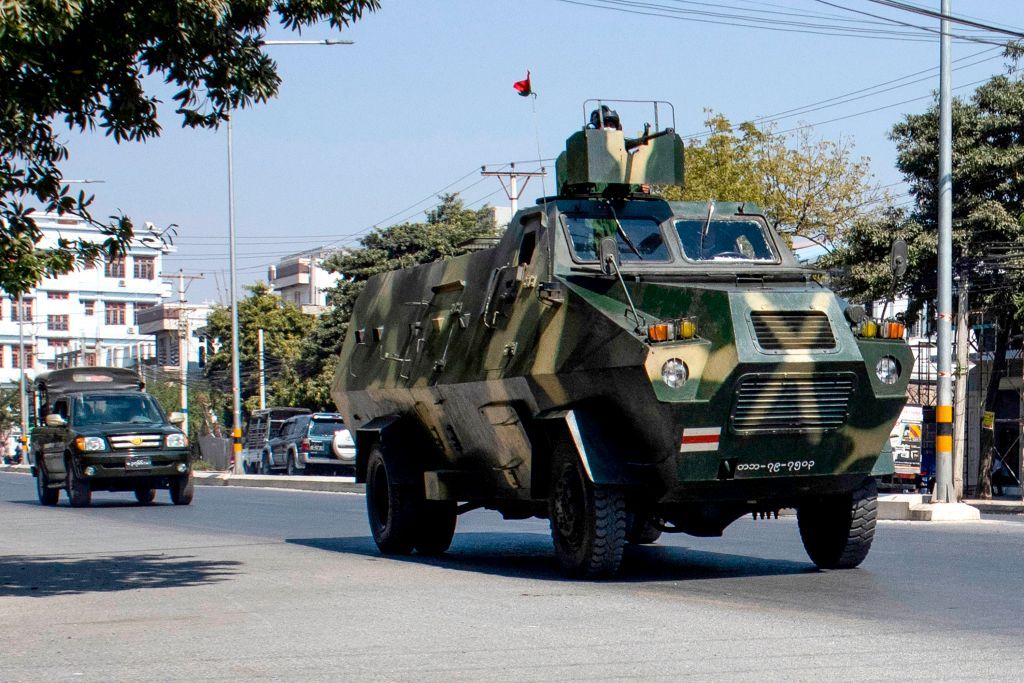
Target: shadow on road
522,555
41,576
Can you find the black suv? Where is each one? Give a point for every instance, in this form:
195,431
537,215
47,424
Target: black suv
98,430
312,442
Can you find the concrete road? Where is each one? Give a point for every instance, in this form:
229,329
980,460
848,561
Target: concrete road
264,584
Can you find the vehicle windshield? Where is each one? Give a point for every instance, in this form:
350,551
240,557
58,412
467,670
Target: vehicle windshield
325,427
122,408
644,243
725,240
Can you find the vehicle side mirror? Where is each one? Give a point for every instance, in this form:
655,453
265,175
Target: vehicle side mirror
55,420
898,258
176,418
609,250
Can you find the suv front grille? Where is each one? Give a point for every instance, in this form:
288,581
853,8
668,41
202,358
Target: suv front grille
792,330
123,441
768,404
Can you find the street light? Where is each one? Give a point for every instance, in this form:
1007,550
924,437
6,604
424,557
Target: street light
236,382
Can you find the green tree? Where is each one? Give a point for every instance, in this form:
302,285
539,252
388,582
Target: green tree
284,327
83,63
808,188
448,227
988,219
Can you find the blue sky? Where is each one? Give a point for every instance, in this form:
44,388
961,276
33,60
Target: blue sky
369,134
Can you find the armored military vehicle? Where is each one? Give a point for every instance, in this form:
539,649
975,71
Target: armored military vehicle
623,366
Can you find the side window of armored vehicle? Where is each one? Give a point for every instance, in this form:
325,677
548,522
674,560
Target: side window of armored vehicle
725,240
640,239
527,246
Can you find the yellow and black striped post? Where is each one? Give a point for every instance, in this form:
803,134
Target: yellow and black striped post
944,491
236,449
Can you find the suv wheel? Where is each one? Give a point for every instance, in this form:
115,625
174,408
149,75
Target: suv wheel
79,489
47,496
182,489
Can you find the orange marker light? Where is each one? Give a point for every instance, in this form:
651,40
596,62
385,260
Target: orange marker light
659,332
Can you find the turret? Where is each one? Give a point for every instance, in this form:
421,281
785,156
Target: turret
601,160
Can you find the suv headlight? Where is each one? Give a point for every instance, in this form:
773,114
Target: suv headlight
177,441
91,443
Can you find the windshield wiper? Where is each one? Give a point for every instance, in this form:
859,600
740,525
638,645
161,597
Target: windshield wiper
707,226
622,233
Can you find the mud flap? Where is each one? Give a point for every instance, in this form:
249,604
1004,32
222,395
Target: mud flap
592,440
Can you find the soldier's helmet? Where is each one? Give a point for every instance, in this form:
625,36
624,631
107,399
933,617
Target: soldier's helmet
606,114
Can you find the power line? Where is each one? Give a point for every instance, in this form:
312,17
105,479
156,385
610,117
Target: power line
907,7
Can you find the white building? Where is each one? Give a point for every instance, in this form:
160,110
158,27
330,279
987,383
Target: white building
85,317
300,279
164,322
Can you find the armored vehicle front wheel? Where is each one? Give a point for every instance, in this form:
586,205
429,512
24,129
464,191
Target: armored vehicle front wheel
47,496
390,506
182,489
79,490
837,530
588,522
145,496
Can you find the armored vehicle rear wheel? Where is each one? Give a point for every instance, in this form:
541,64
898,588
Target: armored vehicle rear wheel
79,490
588,522
837,530
182,489
47,496
436,528
145,496
390,506
641,530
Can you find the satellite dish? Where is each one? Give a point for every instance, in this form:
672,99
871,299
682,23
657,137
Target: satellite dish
898,258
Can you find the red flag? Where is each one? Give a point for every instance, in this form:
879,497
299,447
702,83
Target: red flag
523,87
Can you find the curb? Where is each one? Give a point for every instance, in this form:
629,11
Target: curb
272,481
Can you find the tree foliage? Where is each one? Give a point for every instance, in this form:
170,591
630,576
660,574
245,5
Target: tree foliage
808,188
284,327
82,63
444,234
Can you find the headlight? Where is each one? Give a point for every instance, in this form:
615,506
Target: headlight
887,370
177,441
674,372
91,443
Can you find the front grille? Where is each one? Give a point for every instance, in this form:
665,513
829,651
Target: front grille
792,330
122,441
770,404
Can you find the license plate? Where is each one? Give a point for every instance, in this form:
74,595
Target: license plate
316,446
138,463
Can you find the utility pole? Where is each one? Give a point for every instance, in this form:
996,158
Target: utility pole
22,391
183,335
944,492
263,384
960,405
512,190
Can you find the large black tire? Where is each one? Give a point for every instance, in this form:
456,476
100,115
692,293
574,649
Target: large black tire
436,527
145,496
391,507
46,495
641,530
79,490
588,522
837,530
182,489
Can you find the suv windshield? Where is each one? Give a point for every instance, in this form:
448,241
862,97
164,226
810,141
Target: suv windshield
726,240
325,427
586,234
122,408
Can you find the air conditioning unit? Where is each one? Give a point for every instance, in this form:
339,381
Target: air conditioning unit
131,330
121,283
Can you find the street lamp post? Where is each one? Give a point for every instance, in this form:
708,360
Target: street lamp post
236,382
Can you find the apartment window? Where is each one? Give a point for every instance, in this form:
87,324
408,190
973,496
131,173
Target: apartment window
27,310
58,346
16,362
56,295
90,359
145,267
114,313
57,322
115,267
90,307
